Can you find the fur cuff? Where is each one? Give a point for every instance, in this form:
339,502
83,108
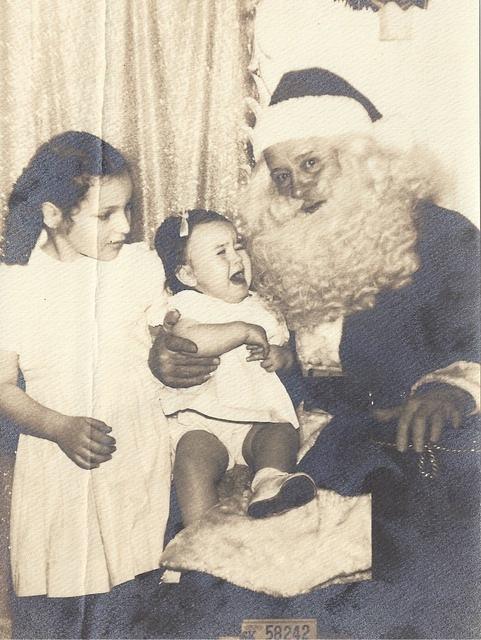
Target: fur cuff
465,375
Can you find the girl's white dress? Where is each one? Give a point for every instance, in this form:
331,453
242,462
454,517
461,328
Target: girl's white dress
238,391
81,332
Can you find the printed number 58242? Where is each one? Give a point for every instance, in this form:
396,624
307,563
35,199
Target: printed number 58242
287,632
279,629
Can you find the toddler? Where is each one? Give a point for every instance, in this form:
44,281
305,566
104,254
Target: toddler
243,413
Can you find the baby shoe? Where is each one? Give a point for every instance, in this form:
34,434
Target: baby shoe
275,491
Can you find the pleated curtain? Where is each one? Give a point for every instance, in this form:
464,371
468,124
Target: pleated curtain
163,80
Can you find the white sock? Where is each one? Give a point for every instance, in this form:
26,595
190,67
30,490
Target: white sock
264,474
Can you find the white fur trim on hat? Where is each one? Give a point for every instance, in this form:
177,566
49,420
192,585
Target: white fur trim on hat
324,117
309,117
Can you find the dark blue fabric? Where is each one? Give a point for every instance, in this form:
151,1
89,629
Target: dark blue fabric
426,537
121,613
9,431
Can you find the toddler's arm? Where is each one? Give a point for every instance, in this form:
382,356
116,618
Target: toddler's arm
279,357
216,339
84,440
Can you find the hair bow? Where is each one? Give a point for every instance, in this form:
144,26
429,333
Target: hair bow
184,224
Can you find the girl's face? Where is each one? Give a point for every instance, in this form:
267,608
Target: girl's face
217,263
99,225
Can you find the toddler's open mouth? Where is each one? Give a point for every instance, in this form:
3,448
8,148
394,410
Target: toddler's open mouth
238,277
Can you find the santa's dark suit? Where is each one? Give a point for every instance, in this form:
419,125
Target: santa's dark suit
429,325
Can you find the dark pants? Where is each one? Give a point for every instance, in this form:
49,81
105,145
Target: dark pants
117,614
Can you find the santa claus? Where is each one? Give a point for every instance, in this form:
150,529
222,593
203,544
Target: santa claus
380,287
379,283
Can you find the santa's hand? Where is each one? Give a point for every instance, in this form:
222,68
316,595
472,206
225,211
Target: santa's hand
423,417
174,360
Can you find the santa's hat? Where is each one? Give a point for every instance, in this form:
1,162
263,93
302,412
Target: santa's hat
318,103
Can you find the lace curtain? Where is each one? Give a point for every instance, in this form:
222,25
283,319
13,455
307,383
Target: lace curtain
164,80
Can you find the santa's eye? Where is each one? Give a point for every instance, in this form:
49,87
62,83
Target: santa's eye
311,164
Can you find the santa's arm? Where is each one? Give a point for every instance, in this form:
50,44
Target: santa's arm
455,325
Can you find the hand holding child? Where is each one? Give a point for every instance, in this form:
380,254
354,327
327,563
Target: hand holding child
174,361
85,441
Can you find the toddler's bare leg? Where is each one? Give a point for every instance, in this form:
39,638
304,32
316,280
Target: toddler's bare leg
200,461
271,445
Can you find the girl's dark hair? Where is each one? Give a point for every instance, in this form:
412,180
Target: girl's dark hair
171,246
60,172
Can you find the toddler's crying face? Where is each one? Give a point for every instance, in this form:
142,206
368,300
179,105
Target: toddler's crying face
217,262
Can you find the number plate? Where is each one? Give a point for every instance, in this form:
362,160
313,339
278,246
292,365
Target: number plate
288,629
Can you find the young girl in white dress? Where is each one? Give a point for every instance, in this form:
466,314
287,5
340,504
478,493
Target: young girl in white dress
243,413
92,475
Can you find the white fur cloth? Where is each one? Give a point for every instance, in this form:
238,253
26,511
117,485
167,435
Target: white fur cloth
325,542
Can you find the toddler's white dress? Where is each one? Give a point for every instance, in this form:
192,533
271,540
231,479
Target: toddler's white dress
81,332
238,391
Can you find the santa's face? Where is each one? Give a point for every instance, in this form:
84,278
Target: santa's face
324,224
304,169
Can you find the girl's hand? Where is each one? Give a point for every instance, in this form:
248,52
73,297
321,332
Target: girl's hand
85,441
424,415
256,339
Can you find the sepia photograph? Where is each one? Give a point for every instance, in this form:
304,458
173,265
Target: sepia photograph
240,328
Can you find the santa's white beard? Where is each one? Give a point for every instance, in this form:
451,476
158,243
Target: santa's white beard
333,262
